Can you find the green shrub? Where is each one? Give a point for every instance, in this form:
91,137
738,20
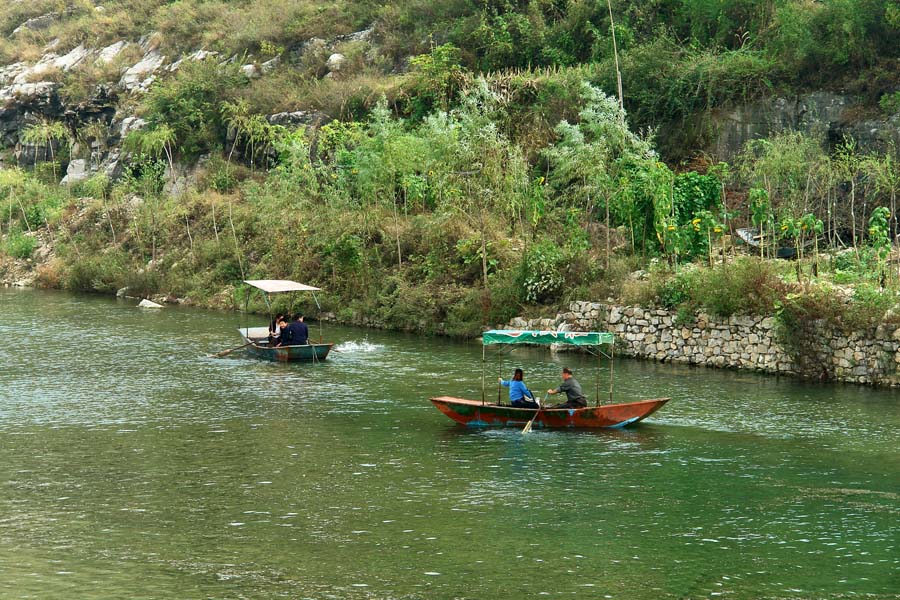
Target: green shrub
867,307
189,103
675,291
890,103
141,282
19,245
99,273
747,286
541,272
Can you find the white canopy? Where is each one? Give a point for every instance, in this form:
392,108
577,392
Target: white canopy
273,286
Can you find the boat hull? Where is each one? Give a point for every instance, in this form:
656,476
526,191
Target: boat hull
473,413
309,353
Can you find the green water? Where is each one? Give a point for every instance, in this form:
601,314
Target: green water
131,465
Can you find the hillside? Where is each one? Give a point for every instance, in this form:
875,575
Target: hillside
442,166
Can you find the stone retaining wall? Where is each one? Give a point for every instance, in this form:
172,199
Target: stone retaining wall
740,342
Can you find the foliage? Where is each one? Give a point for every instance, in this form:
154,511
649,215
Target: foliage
541,272
890,103
187,105
436,79
20,246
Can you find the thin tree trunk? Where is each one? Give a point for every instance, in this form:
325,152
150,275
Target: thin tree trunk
607,233
612,28
397,235
109,219
215,226
190,237
24,216
853,213
237,248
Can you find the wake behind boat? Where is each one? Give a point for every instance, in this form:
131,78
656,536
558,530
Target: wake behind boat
479,413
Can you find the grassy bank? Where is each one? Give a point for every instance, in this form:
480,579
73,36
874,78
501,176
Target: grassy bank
476,169
445,225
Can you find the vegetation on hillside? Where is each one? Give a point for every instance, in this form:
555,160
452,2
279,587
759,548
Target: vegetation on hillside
679,58
477,167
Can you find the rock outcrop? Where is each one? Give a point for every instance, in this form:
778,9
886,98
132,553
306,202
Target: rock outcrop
824,115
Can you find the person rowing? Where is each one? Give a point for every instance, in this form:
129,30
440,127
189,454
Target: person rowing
574,396
519,395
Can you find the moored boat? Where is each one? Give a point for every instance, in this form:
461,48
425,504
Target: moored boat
480,413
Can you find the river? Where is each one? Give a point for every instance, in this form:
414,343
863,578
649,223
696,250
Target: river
133,465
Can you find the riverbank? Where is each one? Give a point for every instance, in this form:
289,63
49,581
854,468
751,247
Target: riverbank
745,342
776,343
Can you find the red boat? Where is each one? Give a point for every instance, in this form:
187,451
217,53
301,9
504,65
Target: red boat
475,414
479,413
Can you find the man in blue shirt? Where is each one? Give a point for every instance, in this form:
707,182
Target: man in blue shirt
296,334
519,395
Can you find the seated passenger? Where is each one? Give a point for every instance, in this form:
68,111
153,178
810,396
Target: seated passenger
295,334
275,328
519,395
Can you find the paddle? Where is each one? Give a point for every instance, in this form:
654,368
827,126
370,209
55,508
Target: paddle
537,412
229,351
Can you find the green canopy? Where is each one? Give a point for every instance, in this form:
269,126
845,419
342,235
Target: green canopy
571,338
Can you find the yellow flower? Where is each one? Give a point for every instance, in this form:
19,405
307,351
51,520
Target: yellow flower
696,228
671,228
695,221
784,227
355,171
718,230
540,181
333,176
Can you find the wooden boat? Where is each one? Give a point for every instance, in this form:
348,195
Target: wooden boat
475,414
479,413
256,339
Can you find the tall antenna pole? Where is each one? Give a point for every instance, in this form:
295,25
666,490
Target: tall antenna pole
612,28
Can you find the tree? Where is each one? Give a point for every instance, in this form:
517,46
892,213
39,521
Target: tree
154,142
848,165
598,159
885,173
44,135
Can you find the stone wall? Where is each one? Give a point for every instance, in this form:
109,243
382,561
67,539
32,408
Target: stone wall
739,342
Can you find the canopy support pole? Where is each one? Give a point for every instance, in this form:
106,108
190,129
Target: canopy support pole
612,353
319,306
268,304
500,375
482,375
246,313
598,377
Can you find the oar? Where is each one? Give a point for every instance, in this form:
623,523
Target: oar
229,351
531,422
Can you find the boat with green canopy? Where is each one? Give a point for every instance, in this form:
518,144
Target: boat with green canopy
480,413
257,339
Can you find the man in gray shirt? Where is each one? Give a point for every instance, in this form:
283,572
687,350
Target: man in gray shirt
574,396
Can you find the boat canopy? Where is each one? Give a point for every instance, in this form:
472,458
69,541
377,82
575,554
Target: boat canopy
571,338
274,286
